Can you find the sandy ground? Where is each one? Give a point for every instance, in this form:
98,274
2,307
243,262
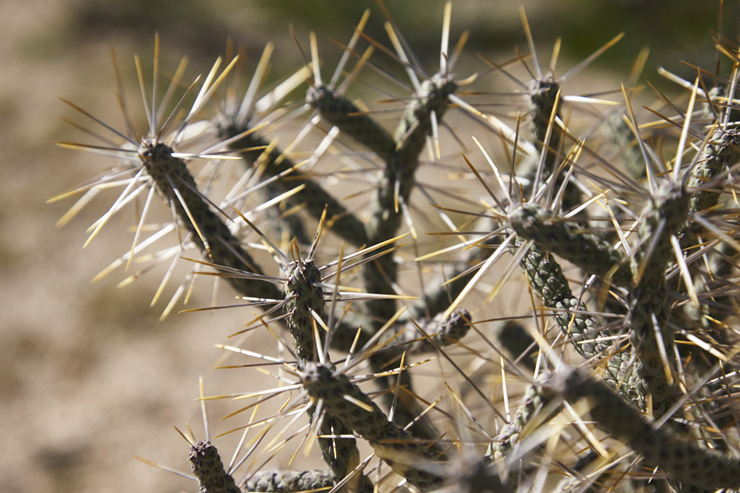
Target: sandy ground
88,377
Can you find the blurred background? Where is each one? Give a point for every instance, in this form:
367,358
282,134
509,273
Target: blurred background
88,376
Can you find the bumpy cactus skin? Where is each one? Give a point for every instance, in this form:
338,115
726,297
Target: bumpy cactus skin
221,246
397,447
548,281
271,481
208,468
682,458
651,305
304,297
652,327
568,240
314,195
722,151
343,113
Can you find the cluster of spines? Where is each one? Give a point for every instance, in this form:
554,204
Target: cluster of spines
176,185
286,175
640,275
397,447
678,456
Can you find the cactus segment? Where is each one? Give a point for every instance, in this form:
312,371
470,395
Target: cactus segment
542,102
548,281
177,186
398,181
410,138
303,297
344,400
531,403
290,481
678,456
444,331
720,153
568,240
623,139
315,197
663,217
209,470
344,114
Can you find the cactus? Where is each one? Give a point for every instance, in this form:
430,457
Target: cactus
649,329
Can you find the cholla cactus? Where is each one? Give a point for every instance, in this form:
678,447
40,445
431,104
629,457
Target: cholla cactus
651,322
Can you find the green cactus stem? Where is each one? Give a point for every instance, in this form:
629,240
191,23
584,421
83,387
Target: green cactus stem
397,183
623,139
569,241
542,101
177,186
410,139
550,284
344,114
720,153
303,297
208,468
290,481
315,197
400,449
442,331
663,217
681,457
531,403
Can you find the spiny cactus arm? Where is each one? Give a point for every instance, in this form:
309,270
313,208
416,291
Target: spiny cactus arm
398,177
400,449
442,331
549,283
652,335
568,240
405,337
290,481
395,189
542,105
177,186
351,120
721,152
663,216
680,457
208,468
447,287
305,300
344,223
397,182
532,402
623,139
